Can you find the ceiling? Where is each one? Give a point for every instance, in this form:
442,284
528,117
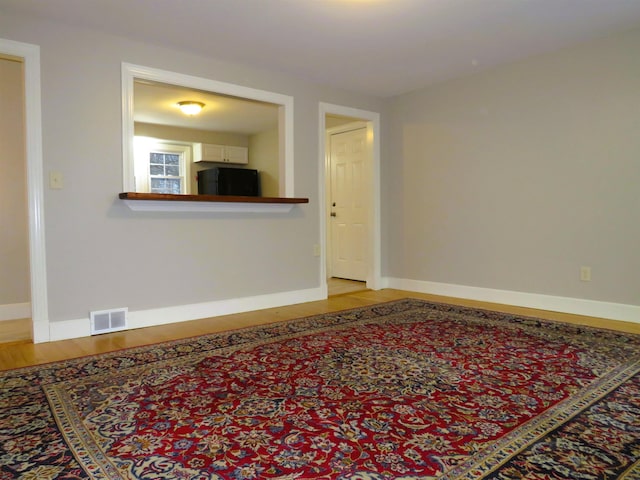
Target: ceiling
378,47
157,103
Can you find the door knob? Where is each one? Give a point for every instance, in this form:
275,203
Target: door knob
333,214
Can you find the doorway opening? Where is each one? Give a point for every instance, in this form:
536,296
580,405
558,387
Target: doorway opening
31,125
349,199
15,303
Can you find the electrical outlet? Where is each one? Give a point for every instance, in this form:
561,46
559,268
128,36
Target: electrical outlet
316,250
585,274
56,181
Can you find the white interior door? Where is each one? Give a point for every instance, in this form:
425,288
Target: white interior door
348,204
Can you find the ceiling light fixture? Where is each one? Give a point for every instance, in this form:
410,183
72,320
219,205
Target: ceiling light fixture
190,107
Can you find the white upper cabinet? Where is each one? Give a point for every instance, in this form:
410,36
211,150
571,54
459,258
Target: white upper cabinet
208,152
236,154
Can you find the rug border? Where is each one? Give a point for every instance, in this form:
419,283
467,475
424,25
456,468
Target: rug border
496,455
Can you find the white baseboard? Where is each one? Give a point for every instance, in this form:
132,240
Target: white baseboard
14,311
81,327
578,306
162,316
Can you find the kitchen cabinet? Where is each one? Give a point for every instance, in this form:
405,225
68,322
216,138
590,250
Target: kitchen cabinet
209,152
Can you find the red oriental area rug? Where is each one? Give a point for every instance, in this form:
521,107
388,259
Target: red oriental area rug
401,390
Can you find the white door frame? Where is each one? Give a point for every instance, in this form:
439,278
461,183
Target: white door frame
35,191
372,120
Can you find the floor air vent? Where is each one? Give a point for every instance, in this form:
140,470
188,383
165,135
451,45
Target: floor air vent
106,321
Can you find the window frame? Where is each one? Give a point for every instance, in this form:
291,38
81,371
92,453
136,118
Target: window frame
145,146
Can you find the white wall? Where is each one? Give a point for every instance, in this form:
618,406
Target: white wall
14,242
102,255
514,178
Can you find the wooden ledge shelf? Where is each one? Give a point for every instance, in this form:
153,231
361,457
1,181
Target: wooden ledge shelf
163,202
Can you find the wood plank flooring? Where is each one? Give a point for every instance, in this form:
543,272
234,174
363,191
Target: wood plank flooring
25,354
340,286
15,331
19,330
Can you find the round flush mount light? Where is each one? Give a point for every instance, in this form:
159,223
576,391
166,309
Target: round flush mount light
190,107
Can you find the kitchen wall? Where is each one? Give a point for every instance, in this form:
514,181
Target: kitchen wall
263,148
192,135
263,156
14,253
514,178
102,255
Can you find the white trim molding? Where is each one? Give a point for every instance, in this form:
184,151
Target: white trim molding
81,327
35,189
577,306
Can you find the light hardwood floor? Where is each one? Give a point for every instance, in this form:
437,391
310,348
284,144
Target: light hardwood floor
340,286
25,354
15,331
19,330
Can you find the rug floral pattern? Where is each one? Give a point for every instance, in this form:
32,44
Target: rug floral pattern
403,390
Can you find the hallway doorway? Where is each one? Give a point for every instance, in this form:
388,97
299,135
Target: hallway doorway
29,56
15,295
350,203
